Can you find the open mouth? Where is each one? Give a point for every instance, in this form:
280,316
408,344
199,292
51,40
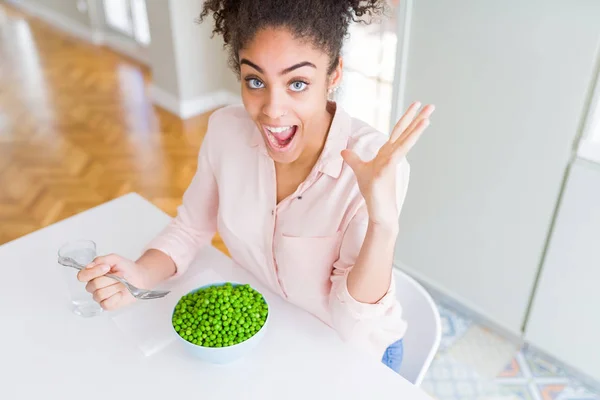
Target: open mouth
280,137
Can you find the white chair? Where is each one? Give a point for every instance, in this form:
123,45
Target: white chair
422,338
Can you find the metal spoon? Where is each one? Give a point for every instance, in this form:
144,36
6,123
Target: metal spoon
136,292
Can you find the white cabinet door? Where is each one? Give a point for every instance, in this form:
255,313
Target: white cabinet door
565,318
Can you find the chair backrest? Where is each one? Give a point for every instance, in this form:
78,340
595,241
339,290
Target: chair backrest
422,338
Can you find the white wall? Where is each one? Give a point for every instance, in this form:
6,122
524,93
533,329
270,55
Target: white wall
202,61
510,80
161,51
189,68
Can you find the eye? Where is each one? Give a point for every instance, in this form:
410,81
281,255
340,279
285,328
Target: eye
298,86
254,83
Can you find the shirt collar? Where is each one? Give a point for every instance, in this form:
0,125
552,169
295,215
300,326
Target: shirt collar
330,162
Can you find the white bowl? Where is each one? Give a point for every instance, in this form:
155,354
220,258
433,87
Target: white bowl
224,355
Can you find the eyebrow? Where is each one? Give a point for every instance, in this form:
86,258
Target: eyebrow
283,72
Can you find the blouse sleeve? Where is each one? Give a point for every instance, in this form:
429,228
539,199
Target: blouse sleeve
371,325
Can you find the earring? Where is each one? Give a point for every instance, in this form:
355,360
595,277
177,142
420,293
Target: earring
331,92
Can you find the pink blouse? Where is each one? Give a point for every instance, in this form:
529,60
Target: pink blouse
302,248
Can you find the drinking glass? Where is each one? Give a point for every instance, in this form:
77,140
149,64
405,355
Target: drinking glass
84,252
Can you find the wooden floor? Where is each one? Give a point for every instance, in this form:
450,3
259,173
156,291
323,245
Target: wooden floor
77,129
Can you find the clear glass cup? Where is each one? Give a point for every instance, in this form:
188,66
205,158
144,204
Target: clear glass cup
84,252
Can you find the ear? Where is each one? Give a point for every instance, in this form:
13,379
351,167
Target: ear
336,75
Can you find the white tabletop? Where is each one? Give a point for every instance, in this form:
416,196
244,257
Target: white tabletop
46,351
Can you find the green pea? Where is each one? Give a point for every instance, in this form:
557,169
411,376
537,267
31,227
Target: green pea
225,315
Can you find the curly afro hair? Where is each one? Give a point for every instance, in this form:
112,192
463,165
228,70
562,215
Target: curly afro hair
324,22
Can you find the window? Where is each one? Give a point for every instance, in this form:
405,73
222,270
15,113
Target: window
128,17
369,66
117,15
140,21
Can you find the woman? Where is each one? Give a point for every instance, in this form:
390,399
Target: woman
304,196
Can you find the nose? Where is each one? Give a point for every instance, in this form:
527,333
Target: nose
275,105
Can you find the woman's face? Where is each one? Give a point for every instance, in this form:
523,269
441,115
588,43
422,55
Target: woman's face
284,89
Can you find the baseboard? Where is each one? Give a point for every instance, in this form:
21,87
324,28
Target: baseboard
462,305
59,21
189,108
208,102
128,48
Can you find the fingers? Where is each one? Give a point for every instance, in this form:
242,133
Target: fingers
98,267
110,259
99,283
108,293
105,292
424,114
110,297
405,121
402,147
92,271
115,301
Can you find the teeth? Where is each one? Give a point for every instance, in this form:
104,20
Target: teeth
272,133
278,129
273,141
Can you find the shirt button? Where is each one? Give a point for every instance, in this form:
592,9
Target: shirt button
272,212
